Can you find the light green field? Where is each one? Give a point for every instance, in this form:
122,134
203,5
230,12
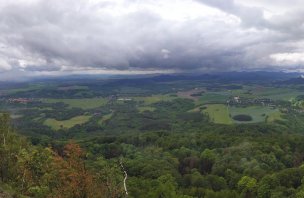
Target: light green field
37,119
86,103
218,113
275,116
55,124
73,87
256,92
276,93
258,113
105,118
41,108
145,108
154,99
31,87
196,109
15,116
243,93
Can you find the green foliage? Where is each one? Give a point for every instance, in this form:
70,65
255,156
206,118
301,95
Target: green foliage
266,185
208,158
247,186
40,172
171,145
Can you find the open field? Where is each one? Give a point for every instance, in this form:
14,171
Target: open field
30,87
14,116
243,93
250,92
218,113
86,103
275,116
105,118
196,109
55,124
276,93
154,99
145,108
258,113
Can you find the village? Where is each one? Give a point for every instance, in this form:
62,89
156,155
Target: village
22,100
237,100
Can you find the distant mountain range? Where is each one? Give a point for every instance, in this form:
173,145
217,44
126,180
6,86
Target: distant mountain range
220,76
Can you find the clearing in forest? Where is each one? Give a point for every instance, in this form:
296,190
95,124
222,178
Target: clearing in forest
257,113
218,113
85,103
56,124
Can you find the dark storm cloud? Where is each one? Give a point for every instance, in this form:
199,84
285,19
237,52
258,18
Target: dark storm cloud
48,68
289,21
122,35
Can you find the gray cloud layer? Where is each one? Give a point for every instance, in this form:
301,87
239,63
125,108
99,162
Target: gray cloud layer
79,35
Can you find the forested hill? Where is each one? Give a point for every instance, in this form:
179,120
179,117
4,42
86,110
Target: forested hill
34,171
228,161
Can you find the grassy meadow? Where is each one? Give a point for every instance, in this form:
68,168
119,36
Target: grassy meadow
56,125
145,108
105,118
258,113
148,100
218,113
221,114
285,94
86,103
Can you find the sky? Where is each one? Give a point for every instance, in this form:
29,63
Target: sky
64,37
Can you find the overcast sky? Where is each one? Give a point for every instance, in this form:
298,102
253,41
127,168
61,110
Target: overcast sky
56,37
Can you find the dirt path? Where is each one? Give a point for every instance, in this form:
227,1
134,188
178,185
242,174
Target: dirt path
125,179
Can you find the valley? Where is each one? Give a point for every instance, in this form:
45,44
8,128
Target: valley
187,136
